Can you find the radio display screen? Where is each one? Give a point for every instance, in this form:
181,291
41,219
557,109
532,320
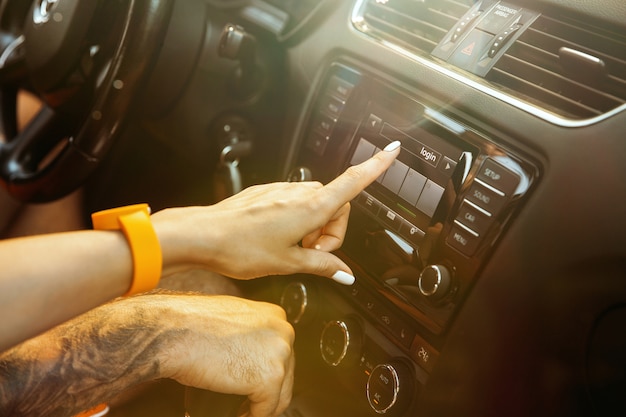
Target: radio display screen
406,197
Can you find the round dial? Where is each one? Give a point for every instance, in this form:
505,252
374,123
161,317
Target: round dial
300,174
390,388
295,301
435,282
340,342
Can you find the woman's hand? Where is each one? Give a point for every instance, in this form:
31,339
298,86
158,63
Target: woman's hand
271,229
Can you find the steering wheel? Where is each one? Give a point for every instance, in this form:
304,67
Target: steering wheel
86,60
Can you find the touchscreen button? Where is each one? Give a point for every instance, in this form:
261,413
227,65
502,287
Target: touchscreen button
430,197
394,177
412,186
364,150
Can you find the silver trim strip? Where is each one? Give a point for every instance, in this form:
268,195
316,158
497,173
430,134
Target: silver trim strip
357,21
489,187
482,210
467,229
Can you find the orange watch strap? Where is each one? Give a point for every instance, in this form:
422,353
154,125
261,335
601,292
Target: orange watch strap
97,411
134,222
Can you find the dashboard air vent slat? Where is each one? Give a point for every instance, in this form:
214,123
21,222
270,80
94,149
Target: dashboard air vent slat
416,25
587,80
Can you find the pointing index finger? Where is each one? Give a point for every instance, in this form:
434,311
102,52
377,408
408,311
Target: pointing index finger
348,185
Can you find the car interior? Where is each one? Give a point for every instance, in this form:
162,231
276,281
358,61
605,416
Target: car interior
490,259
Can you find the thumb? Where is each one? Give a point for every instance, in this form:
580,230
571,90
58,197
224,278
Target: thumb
326,264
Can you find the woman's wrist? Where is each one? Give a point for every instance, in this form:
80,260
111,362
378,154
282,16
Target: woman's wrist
185,241
134,221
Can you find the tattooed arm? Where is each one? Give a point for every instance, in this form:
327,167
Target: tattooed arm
219,343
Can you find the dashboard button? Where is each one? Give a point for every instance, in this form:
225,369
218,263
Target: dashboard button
404,333
485,197
447,166
374,123
498,176
474,218
332,106
471,49
462,240
324,124
424,354
339,87
411,232
369,203
317,142
391,218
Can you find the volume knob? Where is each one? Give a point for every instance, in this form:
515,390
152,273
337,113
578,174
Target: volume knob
435,282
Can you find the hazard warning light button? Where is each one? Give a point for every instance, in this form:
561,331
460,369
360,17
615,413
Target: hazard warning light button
471,50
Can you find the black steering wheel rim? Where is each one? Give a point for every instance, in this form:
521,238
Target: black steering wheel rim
87,141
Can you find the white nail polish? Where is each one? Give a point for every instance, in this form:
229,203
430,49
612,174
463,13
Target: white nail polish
343,278
392,146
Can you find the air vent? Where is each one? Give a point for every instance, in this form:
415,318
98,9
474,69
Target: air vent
569,68
416,25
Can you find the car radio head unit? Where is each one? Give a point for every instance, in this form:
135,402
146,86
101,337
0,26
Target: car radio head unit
419,233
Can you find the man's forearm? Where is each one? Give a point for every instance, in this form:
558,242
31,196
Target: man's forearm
82,363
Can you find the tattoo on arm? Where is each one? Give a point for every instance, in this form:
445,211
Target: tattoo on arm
82,362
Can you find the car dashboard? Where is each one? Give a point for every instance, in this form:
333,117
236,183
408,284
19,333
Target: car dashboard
490,259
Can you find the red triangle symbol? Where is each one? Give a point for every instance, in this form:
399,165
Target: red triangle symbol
469,49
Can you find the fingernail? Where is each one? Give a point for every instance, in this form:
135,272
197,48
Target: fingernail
392,146
343,278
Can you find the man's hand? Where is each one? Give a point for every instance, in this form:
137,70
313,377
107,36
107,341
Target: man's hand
234,346
219,343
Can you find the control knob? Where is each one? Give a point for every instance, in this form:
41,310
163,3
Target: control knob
296,301
300,174
341,342
390,388
435,282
